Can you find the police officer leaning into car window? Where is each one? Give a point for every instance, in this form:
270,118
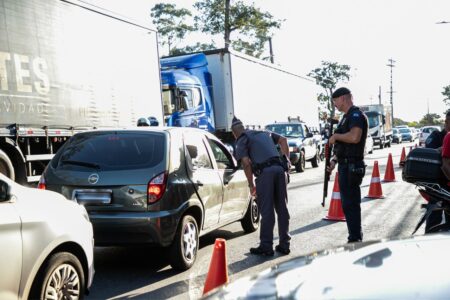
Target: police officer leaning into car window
258,154
349,141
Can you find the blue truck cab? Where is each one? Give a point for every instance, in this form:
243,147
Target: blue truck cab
187,92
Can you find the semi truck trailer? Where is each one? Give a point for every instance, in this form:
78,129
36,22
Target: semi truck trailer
65,67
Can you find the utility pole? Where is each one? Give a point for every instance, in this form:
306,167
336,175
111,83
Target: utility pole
271,51
391,65
227,24
379,94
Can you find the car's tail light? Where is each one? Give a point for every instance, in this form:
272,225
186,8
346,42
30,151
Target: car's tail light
42,185
156,188
425,195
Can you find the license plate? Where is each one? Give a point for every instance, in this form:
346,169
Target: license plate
92,197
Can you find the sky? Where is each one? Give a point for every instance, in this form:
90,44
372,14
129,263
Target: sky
360,33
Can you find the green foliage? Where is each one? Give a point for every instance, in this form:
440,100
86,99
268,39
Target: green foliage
194,48
171,23
250,28
431,119
398,122
413,124
328,76
446,93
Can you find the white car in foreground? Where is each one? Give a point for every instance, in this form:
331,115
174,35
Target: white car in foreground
46,245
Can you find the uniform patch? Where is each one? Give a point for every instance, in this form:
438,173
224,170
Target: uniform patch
355,114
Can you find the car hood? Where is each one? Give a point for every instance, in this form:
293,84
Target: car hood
402,269
294,141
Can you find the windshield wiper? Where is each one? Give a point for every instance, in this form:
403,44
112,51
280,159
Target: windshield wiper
81,163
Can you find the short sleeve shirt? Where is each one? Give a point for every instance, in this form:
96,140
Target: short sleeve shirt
259,146
356,119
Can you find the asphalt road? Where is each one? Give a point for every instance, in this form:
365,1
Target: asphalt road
144,273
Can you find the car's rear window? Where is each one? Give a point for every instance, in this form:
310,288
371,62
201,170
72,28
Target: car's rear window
112,151
429,129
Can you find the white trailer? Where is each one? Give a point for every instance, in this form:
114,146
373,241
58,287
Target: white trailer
258,92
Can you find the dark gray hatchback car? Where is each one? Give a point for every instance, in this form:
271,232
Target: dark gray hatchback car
162,186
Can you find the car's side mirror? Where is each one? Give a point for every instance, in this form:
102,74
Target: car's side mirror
309,135
4,191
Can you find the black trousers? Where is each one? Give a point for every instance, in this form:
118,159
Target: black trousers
350,191
271,190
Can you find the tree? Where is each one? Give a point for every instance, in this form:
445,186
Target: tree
398,122
430,119
194,48
171,23
446,93
328,76
249,28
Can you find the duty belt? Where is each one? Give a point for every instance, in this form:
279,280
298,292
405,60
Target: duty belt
258,168
349,160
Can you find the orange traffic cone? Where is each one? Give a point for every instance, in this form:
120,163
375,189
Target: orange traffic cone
375,191
389,175
335,212
402,158
218,270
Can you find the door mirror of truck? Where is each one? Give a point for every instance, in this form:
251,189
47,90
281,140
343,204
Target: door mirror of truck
309,135
4,191
383,119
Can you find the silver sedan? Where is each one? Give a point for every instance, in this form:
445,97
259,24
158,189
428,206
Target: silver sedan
46,245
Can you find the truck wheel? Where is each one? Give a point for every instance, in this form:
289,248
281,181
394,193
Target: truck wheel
250,222
6,166
184,248
300,165
61,276
315,160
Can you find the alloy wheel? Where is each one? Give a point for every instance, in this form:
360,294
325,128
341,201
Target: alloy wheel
189,241
64,283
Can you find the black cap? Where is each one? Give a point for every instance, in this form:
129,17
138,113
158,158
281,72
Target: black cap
340,92
235,122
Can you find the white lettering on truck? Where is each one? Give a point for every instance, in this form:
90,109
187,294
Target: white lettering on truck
27,71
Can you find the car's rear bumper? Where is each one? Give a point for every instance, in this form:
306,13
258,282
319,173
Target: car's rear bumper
124,228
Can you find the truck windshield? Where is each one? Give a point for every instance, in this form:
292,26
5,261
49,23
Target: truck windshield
287,130
373,119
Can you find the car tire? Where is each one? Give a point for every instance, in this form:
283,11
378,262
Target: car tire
315,160
184,248
61,273
250,222
300,165
6,166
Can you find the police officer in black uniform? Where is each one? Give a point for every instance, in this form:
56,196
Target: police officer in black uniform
349,140
258,154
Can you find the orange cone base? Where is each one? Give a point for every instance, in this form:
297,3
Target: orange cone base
331,218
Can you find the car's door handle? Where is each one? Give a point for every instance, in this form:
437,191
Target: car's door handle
199,183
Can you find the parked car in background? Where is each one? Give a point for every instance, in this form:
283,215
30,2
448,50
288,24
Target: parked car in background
46,244
416,133
395,269
303,144
396,136
369,144
153,185
425,132
406,133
